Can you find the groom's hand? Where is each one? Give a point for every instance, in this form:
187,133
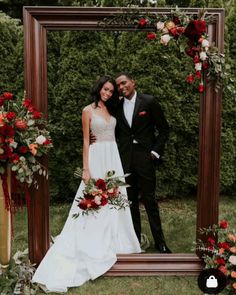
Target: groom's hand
92,137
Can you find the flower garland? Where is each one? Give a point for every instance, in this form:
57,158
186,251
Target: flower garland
189,32
23,139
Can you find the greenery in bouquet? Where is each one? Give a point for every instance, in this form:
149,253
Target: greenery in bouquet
23,139
100,192
219,251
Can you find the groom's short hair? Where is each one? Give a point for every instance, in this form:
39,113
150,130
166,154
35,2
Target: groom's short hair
128,75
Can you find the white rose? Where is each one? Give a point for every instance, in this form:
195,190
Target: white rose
1,151
205,43
160,25
165,39
232,259
40,139
203,55
97,200
198,66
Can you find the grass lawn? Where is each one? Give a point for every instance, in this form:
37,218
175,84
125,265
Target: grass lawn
179,221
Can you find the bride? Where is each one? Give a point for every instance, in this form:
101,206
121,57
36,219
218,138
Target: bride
88,246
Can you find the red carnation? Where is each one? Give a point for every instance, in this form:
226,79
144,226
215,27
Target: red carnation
142,22
20,124
151,36
10,116
8,95
100,183
223,224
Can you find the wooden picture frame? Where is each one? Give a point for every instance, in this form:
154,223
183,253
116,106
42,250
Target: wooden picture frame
39,20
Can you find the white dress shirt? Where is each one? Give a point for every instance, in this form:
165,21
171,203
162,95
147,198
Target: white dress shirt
129,108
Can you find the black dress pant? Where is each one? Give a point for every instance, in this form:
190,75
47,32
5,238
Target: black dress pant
142,183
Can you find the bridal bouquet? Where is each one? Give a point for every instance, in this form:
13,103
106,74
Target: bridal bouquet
101,192
220,251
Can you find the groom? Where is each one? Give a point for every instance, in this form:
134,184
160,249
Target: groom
139,117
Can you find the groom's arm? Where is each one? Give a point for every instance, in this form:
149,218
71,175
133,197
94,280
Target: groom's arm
161,125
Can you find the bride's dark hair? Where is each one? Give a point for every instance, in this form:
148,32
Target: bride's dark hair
113,101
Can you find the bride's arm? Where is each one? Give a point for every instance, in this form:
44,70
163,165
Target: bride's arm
86,127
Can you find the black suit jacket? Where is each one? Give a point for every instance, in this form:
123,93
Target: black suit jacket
149,128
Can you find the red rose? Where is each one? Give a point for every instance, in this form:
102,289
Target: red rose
189,52
198,74
7,130
37,115
205,64
83,204
220,261
190,79
10,116
201,87
23,149
2,139
176,20
196,59
180,30
47,141
2,100
142,22
100,183
211,241
195,29
26,102
8,95
31,108
20,124
223,224
15,158
151,36
104,201
224,245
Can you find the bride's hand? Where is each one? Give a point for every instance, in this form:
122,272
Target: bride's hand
86,175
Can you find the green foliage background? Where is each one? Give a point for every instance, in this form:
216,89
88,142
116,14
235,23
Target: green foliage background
77,59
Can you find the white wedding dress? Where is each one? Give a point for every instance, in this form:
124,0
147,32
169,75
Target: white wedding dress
87,246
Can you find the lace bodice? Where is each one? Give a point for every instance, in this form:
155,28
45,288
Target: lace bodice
103,129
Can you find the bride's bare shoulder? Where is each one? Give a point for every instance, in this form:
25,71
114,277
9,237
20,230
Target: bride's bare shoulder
88,108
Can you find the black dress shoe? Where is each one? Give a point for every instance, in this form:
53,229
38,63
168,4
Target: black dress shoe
162,248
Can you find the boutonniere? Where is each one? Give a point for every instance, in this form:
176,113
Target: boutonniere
143,113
